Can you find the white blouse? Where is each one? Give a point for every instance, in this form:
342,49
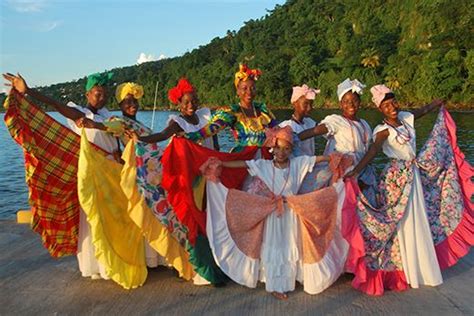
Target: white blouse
306,146
100,138
282,181
347,136
401,141
204,115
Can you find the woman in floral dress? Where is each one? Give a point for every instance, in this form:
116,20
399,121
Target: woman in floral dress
402,244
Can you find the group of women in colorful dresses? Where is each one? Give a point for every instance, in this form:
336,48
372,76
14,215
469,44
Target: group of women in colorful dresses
271,210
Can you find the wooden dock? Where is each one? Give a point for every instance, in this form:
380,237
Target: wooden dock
32,283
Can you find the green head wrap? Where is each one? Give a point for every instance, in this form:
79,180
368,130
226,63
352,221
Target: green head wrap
98,79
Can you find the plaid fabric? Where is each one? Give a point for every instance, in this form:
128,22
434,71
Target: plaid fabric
51,158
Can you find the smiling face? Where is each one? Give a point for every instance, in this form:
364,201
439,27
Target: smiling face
97,97
188,104
129,106
389,108
303,106
350,104
246,91
282,151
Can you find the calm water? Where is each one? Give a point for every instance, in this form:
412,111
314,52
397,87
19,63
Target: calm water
14,193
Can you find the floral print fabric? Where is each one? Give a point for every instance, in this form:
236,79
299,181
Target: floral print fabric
149,174
439,176
442,196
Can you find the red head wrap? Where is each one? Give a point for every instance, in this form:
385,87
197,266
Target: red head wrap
175,94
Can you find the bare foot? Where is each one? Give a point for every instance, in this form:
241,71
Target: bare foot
280,296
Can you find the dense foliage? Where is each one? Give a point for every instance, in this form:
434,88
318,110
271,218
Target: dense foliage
422,49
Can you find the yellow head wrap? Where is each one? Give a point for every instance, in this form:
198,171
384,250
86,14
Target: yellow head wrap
127,88
245,73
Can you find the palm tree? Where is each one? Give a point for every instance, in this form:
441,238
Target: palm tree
370,58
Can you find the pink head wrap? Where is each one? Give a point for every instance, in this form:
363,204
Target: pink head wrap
378,93
272,134
308,92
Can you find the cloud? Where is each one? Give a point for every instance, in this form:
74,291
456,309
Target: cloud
144,58
27,6
48,26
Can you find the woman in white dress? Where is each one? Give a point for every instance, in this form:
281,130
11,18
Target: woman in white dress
263,235
410,257
191,119
302,100
347,133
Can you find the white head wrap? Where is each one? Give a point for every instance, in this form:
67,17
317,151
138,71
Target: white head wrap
349,85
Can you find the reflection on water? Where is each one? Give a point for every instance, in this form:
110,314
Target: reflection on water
13,190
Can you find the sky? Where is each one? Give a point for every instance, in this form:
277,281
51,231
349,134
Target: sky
53,41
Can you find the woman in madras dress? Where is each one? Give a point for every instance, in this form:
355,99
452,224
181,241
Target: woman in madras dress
96,95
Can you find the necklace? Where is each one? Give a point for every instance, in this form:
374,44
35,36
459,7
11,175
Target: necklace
251,122
401,138
293,117
363,135
188,119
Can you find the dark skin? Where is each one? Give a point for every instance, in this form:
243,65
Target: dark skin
302,108
246,92
96,97
188,104
129,107
281,155
389,109
349,105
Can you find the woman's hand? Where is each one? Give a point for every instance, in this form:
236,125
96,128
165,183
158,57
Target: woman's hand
85,122
351,174
16,82
320,159
118,157
437,103
131,134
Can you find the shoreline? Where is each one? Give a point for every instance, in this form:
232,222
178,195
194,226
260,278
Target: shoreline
281,108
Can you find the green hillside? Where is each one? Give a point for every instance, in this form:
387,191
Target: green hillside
422,49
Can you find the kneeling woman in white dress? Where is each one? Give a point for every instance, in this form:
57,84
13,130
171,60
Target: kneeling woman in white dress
274,235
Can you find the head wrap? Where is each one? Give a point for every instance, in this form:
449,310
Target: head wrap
349,85
127,88
98,79
378,93
272,134
309,93
175,94
245,73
